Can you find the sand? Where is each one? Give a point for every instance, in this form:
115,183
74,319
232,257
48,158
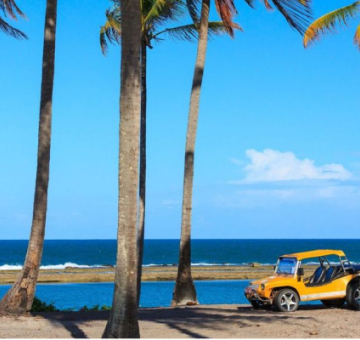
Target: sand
205,321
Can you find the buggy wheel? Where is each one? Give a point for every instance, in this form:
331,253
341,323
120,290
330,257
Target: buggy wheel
353,295
255,304
286,300
333,302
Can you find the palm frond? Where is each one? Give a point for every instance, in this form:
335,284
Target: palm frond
328,22
193,8
155,10
296,12
218,28
111,31
9,7
185,32
357,37
268,5
190,32
227,10
173,10
250,3
9,30
163,11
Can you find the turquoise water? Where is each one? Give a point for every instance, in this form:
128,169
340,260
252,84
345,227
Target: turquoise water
154,294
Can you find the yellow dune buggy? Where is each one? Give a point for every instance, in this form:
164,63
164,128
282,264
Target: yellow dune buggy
334,282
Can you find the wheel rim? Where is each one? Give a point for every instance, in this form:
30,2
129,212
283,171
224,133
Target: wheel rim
288,301
357,295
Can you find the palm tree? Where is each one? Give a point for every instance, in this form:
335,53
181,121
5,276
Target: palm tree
21,295
123,320
155,15
9,7
328,22
296,12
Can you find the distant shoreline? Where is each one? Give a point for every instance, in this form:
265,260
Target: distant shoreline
154,273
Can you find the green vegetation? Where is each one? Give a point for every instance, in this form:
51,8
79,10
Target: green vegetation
41,306
329,22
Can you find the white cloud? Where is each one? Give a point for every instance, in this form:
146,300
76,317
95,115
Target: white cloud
272,165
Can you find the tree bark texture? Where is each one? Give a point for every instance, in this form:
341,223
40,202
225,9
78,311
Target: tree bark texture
20,297
123,320
142,179
184,291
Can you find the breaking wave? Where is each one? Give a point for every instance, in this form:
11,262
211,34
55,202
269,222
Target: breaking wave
56,266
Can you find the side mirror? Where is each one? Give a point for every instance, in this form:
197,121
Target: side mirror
300,272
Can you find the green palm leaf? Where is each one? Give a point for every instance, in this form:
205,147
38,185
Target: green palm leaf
357,37
172,11
328,23
164,10
111,30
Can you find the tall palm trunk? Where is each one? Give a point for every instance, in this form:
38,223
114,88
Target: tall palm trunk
142,179
123,320
184,291
20,297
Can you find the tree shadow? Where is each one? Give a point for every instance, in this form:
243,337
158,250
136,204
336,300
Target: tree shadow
188,319
191,321
72,321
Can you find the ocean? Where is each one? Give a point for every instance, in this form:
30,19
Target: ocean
93,253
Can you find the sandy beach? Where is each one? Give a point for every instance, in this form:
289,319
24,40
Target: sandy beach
205,321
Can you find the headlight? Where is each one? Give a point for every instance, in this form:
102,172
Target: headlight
262,286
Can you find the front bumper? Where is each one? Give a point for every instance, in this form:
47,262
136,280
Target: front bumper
252,295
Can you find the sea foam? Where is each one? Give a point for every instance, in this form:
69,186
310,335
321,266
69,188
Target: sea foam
56,266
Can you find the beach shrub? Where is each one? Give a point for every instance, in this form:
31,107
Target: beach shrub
41,306
94,308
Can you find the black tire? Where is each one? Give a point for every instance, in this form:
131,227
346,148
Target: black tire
258,305
286,300
255,304
333,303
353,295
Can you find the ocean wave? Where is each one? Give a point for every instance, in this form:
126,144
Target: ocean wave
56,266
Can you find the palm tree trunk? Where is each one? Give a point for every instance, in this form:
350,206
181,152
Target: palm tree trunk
20,297
123,320
184,291
142,179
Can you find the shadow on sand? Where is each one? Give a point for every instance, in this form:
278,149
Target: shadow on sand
189,321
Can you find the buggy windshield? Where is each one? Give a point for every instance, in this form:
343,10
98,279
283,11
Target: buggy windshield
286,266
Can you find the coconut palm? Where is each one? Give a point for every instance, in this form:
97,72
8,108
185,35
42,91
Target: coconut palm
9,8
297,13
123,320
328,23
155,16
21,295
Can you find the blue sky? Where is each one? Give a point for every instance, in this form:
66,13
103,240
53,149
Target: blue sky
277,152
